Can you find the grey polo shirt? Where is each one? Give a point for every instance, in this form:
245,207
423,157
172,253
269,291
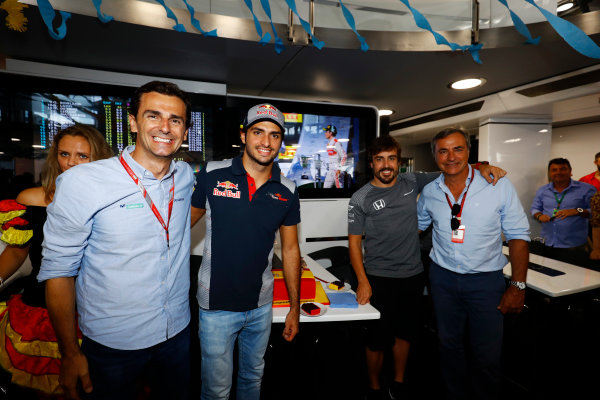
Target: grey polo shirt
388,219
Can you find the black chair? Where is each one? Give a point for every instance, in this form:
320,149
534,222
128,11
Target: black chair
340,267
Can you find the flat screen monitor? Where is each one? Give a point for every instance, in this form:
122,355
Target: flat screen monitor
324,145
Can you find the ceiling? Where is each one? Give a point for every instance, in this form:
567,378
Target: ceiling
409,82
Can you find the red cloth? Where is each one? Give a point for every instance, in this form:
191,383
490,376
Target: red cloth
591,180
17,222
11,205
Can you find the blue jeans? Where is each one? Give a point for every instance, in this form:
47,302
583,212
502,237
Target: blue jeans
218,331
116,374
465,308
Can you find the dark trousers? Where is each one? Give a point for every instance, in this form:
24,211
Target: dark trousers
469,330
117,374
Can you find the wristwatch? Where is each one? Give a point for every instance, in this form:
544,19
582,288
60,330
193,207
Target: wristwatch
580,211
519,285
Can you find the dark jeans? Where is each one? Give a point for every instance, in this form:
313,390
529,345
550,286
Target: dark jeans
469,329
117,374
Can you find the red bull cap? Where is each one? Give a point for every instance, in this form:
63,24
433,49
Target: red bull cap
264,112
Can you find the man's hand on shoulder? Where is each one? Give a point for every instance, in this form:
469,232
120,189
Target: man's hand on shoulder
512,300
292,325
491,173
72,370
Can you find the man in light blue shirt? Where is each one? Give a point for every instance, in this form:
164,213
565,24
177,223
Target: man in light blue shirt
467,284
122,227
563,208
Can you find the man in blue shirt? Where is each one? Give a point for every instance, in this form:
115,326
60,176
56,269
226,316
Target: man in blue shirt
467,284
563,208
246,200
122,227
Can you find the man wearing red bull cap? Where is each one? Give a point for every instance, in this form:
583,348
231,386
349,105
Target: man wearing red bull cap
245,200
337,158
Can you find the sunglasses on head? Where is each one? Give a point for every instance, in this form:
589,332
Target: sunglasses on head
455,222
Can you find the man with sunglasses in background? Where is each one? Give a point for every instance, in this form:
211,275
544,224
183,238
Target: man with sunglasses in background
468,289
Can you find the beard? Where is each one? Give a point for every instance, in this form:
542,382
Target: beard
386,180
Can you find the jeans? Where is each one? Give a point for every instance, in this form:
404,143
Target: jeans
465,308
117,374
218,331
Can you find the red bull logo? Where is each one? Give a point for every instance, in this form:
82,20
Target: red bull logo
230,189
227,185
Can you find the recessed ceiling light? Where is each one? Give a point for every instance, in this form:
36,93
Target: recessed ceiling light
564,7
184,145
14,139
468,83
383,113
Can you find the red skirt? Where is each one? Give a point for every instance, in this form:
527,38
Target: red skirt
28,346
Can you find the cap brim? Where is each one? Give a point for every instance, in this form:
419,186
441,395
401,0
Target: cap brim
265,119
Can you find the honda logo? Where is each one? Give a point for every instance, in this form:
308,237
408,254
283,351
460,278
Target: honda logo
379,204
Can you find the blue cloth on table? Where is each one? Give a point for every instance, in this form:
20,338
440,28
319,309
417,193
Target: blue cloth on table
342,300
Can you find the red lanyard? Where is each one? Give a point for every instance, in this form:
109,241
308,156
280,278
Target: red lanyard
146,195
462,203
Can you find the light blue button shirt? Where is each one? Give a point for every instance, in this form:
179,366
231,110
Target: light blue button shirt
132,290
488,211
570,231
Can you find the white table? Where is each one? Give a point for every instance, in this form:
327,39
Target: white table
363,312
575,280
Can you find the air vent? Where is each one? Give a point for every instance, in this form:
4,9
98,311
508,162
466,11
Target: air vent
453,112
562,84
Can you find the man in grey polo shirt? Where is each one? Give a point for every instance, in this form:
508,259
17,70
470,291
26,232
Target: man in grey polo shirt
391,275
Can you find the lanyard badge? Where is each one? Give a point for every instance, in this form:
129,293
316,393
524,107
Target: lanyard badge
148,199
458,229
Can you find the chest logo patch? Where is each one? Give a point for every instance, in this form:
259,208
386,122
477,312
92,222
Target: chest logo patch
227,189
277,196
379,204
132,205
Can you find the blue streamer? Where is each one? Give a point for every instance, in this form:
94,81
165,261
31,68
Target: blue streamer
267,36
279,47
101,16
196,23
574,36
350,20
519,25
422,23
48,15
316,42
178,27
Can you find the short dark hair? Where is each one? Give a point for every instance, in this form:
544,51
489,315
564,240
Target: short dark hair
597,156
447,132
383,143
559,161
166,88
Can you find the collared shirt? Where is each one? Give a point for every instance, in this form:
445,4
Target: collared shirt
591,179
132,290
241,223
570,231
488,211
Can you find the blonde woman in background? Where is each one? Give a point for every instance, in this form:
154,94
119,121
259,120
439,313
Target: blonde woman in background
28,348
